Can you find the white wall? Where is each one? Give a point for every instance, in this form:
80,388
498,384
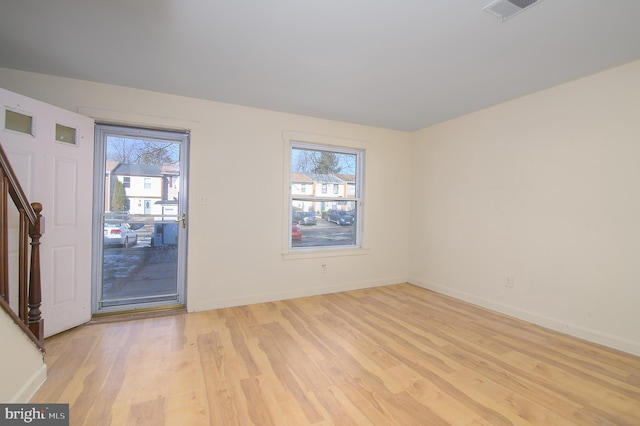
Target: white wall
235,252
544,189
22,369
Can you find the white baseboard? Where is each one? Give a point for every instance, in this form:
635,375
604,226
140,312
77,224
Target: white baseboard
29,389
574,330
293,294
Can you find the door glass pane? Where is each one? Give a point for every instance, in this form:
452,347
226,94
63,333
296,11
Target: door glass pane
140,232
65,134
18,122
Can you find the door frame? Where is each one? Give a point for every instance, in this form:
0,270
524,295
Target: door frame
98,207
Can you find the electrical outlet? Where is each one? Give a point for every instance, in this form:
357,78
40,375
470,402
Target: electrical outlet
204,200
323,268
509,282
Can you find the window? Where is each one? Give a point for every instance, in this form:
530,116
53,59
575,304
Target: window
18,122
147,183
65,134
126,181
323,219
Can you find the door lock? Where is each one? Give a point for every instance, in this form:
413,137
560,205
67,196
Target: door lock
183,219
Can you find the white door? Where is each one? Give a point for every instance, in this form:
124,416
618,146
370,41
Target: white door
51,152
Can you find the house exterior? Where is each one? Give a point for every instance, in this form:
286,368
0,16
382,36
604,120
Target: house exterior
170,181
321,185
349,184
145,186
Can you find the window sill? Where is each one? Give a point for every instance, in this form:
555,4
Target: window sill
318,253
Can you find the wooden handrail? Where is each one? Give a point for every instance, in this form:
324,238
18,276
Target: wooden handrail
31,226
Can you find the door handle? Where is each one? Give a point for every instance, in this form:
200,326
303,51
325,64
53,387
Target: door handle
183,219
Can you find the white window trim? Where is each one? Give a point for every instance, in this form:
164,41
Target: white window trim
321,142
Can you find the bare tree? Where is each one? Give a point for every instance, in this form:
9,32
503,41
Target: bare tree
137,151
323,162
155,153
120,150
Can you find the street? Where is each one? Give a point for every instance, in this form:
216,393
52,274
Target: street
326,234
140,271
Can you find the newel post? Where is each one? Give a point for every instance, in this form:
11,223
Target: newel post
36,323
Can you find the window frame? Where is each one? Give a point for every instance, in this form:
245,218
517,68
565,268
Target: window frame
328,144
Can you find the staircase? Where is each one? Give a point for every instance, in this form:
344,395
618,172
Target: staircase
15,209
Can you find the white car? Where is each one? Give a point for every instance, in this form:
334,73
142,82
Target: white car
119,233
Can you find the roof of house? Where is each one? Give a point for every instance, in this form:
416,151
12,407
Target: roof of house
126,169
171,169
110,165
347,178
325,178
300,177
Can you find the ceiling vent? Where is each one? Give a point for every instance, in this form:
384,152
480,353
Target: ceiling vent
505,9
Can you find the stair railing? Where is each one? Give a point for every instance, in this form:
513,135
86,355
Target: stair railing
31,227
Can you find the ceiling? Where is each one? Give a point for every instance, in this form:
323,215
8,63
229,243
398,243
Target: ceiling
397,64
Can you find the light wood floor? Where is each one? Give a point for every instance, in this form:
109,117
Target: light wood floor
396,355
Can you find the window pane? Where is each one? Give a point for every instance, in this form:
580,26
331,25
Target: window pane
65,134
323,223
141,247
324,194
18,122
331,171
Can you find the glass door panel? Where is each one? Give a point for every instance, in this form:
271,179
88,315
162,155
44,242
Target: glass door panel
142,219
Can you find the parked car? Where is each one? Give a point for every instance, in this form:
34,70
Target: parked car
124,217
305,218
340,217
119,233
296,232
